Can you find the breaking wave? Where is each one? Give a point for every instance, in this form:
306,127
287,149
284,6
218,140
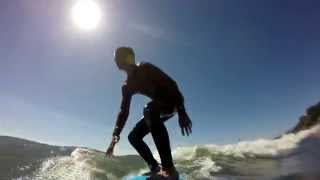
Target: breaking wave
289,155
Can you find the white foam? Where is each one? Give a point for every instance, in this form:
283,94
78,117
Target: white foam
200,158
206,167
282,146
77,166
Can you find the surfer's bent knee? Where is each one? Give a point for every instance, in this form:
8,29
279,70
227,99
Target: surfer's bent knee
147,115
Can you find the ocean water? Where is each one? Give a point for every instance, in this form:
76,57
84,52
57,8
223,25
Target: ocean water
292,156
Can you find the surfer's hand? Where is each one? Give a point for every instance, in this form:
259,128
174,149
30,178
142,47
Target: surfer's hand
115,140
185,123
109,152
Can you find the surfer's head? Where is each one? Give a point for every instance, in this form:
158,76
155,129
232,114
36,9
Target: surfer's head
124,57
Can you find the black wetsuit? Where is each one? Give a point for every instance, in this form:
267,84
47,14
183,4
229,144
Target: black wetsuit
149,80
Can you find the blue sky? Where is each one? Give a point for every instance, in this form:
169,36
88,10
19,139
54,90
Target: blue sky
247,69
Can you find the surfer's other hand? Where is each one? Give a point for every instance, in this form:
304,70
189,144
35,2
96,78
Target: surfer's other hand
185,123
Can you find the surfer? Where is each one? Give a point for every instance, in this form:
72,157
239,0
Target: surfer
166,100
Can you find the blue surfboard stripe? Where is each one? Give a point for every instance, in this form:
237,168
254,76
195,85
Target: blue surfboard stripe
140,178
136,178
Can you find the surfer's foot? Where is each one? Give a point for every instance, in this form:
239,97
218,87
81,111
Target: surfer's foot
166,174
153,171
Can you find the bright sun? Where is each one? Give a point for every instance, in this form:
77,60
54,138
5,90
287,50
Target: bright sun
86,14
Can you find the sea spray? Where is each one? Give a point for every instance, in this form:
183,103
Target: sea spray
87,164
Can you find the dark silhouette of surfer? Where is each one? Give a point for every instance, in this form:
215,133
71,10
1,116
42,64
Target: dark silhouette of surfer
166,100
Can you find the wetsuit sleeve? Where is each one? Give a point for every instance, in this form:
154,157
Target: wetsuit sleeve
124,110
180,101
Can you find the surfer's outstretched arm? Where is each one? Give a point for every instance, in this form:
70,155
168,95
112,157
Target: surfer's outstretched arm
124,111
184,120
121,119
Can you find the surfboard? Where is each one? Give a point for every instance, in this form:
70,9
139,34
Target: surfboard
136,178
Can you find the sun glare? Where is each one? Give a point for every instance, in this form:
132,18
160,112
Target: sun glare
86,14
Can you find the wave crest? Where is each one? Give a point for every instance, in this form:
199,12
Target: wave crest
261,157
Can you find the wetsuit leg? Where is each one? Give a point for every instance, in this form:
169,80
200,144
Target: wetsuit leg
159,131
136,139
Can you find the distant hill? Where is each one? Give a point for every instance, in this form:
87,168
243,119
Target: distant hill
19,156
309,119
